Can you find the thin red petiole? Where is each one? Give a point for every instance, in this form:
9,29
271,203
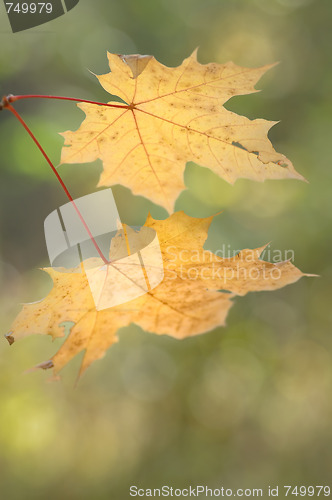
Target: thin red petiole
20,119
13,98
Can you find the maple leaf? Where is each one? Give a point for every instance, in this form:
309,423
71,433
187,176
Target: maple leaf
174,115
188,301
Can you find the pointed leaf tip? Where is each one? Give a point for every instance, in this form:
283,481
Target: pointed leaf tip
45,365
10,338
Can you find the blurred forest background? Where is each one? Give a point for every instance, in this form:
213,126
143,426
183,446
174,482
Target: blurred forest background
244,406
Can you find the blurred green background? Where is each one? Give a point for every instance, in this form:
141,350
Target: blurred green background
245,406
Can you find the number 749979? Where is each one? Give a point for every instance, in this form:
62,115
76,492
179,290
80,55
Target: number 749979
29,8
309,491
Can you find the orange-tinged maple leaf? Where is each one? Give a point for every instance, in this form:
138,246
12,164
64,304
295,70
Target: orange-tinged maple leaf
174,115
186,302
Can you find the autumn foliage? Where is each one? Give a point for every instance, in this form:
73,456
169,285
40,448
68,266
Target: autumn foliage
169,116
174,115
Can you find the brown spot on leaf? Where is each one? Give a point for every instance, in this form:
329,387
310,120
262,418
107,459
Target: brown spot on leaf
46,365
10,338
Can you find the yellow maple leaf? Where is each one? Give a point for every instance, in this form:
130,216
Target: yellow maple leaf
172,116
187,302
